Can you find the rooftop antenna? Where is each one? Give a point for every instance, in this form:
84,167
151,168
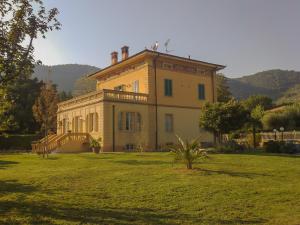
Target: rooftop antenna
166,46
155,46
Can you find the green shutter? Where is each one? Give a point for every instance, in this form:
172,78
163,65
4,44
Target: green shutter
168,87
201,91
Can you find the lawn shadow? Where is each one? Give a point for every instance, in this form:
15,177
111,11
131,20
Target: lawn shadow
231,173
41,212
4,164
142,162
12,186
271,154
242,221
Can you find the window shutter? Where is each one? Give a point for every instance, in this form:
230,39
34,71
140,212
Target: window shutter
120,120
201,91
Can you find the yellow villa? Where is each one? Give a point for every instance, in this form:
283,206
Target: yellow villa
142,100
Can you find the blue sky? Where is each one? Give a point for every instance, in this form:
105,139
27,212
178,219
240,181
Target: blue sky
247,36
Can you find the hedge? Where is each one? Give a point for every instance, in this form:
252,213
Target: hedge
17,142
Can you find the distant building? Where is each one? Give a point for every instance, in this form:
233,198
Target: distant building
142,100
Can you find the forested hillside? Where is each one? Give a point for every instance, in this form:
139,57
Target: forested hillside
64,76
272,83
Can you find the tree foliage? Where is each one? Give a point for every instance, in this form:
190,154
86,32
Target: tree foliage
63,96
45,108
22,21
221,118
223,91
18,98
289,118
255,100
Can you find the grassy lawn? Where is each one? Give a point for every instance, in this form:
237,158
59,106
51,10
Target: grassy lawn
146,188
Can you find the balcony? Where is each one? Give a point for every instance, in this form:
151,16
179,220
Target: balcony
104,95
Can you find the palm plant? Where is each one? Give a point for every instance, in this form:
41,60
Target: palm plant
188,151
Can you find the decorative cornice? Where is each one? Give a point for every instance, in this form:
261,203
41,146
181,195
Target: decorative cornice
182,68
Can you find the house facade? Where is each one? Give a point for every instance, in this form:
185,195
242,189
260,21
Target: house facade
142,100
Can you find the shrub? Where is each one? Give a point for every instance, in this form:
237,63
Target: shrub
272,147
280,147
187,152
288,148
17,142
230,147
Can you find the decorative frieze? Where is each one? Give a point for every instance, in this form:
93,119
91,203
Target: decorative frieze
181,68
125,70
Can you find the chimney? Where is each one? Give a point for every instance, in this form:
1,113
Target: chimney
125,52
114,58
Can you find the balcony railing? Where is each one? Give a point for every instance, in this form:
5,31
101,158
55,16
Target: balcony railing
106,95
124,96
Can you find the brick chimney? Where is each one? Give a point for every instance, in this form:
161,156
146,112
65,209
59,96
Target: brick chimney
125,52
114,58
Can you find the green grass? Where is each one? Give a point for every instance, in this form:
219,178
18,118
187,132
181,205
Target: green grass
147,189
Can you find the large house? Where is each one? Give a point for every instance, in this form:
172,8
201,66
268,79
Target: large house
142,100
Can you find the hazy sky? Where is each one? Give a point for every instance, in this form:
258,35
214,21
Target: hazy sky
245,35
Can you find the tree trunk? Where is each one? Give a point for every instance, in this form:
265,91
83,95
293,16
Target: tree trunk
254,136
189,165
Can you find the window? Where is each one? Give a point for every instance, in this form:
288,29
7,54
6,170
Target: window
138,125
129,147
92,122
169,123
130,121
201,91
135,86
168,87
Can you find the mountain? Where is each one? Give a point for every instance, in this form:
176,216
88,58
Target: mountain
272,83
64,76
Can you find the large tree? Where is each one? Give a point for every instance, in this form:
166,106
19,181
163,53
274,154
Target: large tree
22,21
223,91
255,100
221,118
18,98
45,108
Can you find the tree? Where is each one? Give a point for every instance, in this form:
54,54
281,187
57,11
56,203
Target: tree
84,85
19,98
187,152
45,108
289,118
223,92
221,118
255,121
63,96
22,21
255,100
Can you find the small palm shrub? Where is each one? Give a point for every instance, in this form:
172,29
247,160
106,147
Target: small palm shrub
188,151
95,145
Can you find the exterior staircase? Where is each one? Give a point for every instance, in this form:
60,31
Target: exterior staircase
55,142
